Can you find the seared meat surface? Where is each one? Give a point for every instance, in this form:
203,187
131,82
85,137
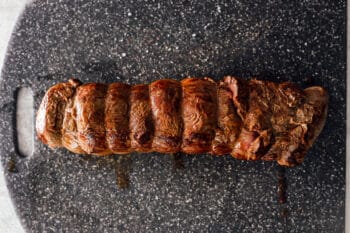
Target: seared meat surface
249,119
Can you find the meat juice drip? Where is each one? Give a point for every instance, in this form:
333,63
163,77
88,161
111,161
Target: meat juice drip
11,166
282,194
178,162
122,166
282,185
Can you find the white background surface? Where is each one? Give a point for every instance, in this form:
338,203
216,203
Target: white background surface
347,203
9,12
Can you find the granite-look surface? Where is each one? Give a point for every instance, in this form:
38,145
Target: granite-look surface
141,41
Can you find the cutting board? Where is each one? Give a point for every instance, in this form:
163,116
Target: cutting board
142,41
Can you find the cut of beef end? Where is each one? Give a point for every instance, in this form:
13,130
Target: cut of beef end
51,112
317,97
291,148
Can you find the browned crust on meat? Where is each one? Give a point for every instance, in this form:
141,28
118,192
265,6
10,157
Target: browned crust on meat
90,109
199,112
69,128
141,119
229,122
166,99
318,98
117,109
251,120
51,112
309,121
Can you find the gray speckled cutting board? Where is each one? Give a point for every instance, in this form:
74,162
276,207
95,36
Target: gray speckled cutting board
141,41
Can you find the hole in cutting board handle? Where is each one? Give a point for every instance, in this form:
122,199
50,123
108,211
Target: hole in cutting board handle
25,121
